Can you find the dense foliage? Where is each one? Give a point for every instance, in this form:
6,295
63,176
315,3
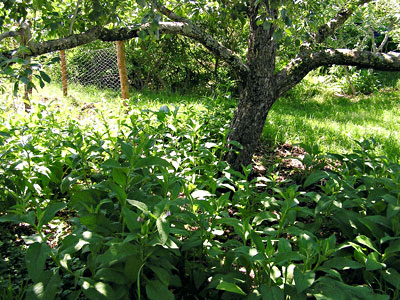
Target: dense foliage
142,207
138,203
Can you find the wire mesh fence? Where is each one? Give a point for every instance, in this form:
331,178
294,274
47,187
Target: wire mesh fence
97,67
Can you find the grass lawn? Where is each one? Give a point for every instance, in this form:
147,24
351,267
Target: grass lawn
312,116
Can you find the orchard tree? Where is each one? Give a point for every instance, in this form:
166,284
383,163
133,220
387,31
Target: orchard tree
286,40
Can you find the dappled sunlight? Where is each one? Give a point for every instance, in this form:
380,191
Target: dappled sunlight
334,122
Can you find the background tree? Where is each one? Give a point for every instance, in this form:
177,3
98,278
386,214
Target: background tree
285,41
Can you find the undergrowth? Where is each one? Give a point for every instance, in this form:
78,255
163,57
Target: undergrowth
141,206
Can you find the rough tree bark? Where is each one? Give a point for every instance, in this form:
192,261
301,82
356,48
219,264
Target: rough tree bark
261,86
258,92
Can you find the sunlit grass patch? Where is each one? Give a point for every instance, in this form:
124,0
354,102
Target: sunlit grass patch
333,122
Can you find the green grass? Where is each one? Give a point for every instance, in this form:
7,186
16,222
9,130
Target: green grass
314,115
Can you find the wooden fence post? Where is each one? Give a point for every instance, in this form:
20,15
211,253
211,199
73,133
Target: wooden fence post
25,39
64,73
123,72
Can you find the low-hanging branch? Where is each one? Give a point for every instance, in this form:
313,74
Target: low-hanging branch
300,66
121,34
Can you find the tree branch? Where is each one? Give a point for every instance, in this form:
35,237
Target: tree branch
386,38
300,66
71,26
121,34
373,44
195,32
8,34
328,29
169,13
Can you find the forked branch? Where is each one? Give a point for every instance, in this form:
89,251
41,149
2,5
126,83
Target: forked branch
198,34
386,38
299,67
328,29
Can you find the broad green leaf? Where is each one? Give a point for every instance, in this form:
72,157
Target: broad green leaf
68,181
117,252
373,263
334,289
366,241
119,176
52,286
278,35
163,229
230,287
161,273
131,219
11,218
236,144
110,275
175,190
256,239
315,177
156,290
284,246
394,247
264,216
199,276
25,80
142,206
271,293
282,258
393,277
127,149
342,263
153,161
36,256
110,164
97,290
45,77
47,288
303,280
86,199
392,211
132,268
118,191
50,211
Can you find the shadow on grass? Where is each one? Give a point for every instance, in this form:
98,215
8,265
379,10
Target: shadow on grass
333,123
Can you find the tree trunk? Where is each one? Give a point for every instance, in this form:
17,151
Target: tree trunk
258,95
